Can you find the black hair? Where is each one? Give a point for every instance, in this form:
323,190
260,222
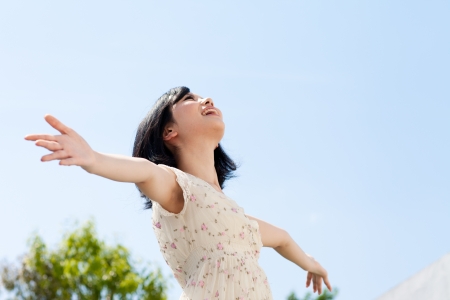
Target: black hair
149,143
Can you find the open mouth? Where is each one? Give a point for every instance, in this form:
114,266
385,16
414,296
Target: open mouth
210,112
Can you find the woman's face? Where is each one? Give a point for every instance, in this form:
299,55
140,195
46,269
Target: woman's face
196,116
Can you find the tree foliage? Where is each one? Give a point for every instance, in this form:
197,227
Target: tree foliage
326,295
81,267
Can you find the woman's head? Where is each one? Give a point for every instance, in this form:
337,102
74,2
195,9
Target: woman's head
194,120
177,119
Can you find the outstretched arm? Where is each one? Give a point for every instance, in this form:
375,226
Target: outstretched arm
280,240
72,150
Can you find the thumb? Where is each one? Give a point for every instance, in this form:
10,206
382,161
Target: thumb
67,162
327,283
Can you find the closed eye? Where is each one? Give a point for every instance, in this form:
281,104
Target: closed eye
189,97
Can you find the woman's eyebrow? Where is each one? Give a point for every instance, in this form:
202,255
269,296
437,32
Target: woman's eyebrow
194,96
190,94
185,96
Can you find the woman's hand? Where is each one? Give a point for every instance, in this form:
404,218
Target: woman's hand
282,242
156,182
317,278
69,147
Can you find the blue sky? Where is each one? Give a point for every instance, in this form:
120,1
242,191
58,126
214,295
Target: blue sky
337,111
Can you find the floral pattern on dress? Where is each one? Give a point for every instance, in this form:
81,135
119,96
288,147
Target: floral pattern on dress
211,246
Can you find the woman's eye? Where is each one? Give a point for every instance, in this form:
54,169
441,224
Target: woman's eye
189,97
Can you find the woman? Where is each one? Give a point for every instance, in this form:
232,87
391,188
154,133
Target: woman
178,165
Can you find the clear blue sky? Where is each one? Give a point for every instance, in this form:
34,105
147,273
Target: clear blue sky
338,112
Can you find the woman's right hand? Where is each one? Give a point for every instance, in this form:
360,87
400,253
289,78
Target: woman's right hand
156,182
69,147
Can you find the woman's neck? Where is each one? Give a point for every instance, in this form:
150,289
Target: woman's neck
198,159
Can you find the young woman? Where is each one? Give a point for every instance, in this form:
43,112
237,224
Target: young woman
179,167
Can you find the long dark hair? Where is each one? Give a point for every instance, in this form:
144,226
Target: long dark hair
149,142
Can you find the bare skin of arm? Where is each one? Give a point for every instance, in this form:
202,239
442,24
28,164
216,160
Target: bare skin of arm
280,240
156,182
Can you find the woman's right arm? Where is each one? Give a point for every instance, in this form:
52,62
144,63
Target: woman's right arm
71,149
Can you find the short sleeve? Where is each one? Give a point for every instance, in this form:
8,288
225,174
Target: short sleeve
184,183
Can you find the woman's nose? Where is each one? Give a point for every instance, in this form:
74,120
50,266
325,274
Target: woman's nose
206,101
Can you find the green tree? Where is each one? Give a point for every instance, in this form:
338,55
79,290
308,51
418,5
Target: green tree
81,267
326,295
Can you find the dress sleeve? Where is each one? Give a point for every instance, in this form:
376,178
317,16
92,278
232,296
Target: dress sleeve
184,182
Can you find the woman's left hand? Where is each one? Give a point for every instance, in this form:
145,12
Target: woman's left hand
317,279
317,284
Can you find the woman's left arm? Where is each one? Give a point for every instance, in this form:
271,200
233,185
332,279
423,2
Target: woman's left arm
280,240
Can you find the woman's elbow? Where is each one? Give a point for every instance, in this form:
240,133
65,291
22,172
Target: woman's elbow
282,240
285,239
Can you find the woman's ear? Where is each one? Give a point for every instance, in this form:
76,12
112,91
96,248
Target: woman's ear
169,133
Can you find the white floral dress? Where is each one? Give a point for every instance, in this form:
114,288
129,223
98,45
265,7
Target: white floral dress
211,246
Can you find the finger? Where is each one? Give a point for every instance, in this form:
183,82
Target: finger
314,279
57,124
35,137
308,279
327,283
61,154
68,162
319,285
52,146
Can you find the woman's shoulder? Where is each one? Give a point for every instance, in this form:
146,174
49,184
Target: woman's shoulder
178,201
181,177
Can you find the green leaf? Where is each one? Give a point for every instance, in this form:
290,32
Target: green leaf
81,267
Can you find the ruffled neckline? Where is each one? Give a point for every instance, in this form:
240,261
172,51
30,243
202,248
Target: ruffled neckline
208,184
